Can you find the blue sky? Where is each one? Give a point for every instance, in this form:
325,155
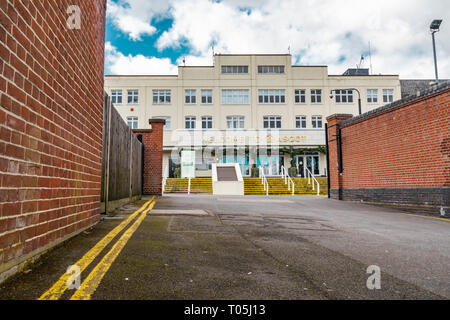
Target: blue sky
153,37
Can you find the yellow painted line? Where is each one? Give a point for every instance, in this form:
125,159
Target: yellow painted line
420,216
93,280
58,289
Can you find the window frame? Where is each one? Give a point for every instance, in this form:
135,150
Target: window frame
234,96
133,120
234,69
342,94
168,125
192,97
271,93
386,95
236,119
209,121
115,95
371,96
299,95
207,96
303,120
134,95
277,120
192,120
270,69
167,93
316,95
314,122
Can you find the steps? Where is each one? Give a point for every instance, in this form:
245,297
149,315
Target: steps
180,186
277,186
252,186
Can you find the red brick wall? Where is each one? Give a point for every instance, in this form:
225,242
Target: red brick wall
153,157
51,87
406,147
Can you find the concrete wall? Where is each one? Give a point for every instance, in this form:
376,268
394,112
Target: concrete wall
51,111
397,155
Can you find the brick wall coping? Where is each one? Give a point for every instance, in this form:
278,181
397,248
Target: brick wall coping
435,90
150,121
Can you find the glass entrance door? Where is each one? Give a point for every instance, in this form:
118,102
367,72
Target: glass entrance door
310,162
243,162
271,165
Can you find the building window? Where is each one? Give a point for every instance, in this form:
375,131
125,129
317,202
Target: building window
272,96
207,123
132,122
235,69
300,122
316,96
271,69
235,97
372,96
388,95
300,96
116,96
190,123
133,96
168,124
272,122
161,96
317,122
344,96
235,122
190,96
206,96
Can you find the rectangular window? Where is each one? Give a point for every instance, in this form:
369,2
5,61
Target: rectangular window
300,96
235,122
116,96
190,123
190,96
235,69
133,96
132,122
235,97
161,96
388,95
344,96
300,122
372,96
317,122
316,96
206,96
271,96
272,122
270,69
207,123
168,124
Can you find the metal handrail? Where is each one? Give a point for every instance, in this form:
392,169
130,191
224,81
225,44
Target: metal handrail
164,181
288,180
313,178
264,181
189,186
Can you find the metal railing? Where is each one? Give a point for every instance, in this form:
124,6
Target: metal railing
189,186
288,180
264,181
164,181
312,178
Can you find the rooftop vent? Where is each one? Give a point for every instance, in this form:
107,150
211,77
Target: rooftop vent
356,72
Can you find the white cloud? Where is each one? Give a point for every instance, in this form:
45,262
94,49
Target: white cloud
118,63
133,17
319,32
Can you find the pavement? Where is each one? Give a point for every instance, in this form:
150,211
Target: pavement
252,248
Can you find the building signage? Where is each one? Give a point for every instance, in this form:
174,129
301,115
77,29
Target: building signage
247,138
187,164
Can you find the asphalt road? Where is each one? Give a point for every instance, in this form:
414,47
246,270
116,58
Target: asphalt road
259,248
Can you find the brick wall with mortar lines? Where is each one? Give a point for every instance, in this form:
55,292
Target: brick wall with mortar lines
405,149
153,157
51,106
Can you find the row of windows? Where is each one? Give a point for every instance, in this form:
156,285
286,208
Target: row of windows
235,122
242,96
261,69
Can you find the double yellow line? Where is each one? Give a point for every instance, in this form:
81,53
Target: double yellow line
90,284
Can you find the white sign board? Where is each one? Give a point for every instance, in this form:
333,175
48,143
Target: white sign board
187,164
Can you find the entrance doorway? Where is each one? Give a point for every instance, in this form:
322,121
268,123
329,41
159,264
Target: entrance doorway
312,162
271,164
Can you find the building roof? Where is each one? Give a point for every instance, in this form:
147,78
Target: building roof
412,86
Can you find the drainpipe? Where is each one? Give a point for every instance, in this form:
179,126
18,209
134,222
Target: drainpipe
328,160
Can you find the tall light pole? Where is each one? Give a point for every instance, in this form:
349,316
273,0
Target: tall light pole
351,89
434,27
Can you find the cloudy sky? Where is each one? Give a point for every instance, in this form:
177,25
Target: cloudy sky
153,36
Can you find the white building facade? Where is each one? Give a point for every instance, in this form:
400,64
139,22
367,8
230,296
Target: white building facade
247,109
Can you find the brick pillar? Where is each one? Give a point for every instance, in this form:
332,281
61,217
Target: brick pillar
333,170
153,156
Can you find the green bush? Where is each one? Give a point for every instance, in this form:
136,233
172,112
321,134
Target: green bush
255,171
177,172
